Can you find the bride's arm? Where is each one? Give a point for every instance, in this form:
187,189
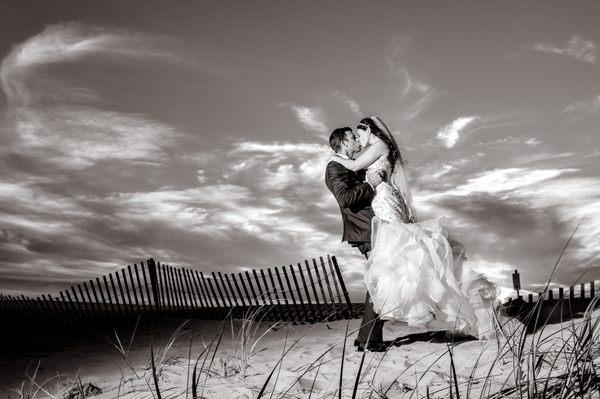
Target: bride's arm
365,159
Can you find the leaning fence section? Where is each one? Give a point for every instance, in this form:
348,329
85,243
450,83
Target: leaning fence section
308,291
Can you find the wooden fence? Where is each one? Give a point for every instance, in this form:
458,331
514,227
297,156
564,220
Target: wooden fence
553,305
312,291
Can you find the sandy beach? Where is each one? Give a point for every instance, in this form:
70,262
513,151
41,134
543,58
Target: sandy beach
240,371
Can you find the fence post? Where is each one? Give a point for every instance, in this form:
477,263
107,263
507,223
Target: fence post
343,286
154,283
329,291
335,283
571,293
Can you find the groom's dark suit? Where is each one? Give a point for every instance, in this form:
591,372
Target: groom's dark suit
354,197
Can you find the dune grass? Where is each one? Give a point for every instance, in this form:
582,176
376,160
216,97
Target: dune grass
562,363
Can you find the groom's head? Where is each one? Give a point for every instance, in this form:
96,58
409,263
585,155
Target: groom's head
342,141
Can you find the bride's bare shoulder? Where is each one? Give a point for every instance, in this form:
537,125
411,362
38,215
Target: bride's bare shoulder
380,147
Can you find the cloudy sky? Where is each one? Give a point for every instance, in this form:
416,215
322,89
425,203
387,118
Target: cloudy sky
195,132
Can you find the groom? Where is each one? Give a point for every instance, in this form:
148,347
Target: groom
354,197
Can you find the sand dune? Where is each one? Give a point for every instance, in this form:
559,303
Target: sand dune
403,371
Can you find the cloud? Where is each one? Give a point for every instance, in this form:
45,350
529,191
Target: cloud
51,120
311,119
502,180
22,73
420,97
79,137
523,216
577,48
414,95
349,101
583,109
253,204
396,50
450,134
279,148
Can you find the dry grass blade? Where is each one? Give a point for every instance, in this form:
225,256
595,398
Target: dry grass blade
362,361
311,365
187,374
554,270
212,359
154,376
342,362
195,375
280,365
312,386
453,373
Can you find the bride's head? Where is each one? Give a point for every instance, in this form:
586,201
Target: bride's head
368,127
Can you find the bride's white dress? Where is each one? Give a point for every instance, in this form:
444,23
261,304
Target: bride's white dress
410,273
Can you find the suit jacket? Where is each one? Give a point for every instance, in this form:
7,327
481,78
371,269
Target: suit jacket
354,197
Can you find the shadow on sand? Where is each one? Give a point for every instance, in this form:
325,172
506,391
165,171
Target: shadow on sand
437,337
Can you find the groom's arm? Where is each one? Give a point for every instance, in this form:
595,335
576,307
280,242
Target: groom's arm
337,179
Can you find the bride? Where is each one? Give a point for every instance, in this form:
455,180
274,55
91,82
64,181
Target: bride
410,273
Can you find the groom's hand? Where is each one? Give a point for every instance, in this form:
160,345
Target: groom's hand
374,178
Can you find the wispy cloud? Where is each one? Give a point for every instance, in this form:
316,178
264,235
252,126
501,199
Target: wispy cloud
505,180
311,119
349,101
279,147
46,119
79,137
414,95
22,77
396,50
423,96
576,48
450,134
583,109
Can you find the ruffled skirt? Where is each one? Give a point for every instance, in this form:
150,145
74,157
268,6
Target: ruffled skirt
411,277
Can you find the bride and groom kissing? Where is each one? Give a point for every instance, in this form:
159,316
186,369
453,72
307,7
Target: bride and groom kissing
411,272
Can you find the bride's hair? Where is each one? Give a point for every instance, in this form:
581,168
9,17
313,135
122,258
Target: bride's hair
394,154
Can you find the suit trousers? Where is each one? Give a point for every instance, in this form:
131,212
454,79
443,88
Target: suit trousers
371,324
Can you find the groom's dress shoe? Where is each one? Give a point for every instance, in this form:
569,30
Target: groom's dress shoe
378,347
372,347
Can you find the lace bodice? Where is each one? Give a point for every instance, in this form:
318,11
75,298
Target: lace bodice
389,203
382,163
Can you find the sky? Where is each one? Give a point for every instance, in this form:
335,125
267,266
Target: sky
195,132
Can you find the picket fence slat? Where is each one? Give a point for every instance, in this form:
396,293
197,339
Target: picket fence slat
246,292
277,309
221,296
218,302
191,294
232,294
338,296
350,310
208,297
251,285
328,284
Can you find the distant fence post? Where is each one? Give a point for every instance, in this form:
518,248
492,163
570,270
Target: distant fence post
154,283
